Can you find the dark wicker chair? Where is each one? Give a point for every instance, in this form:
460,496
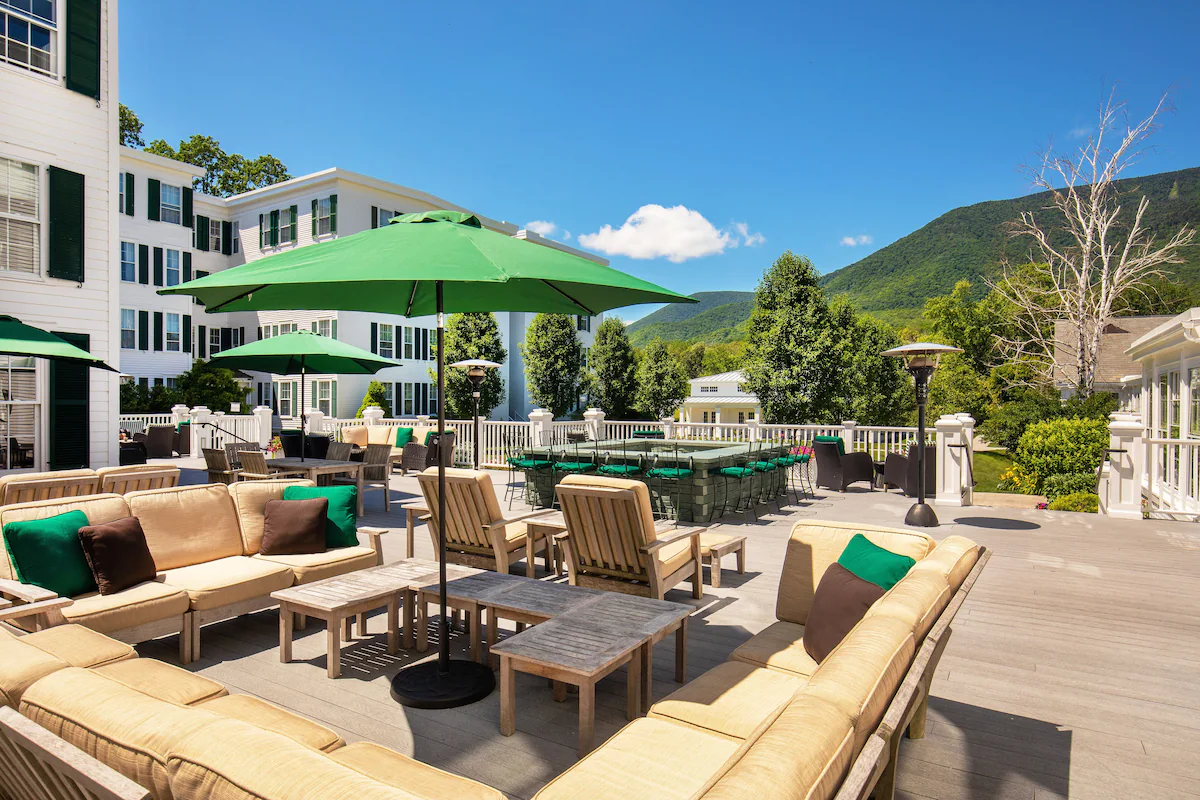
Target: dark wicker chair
160,441
836,471
418,457
900,471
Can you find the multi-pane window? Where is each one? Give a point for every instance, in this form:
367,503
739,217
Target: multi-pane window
287,231
172,382
324,392
583,323
324,327
174,336
173,270
121,193
214,235
214,341
27,31
408,343
433,398
170,207
383,216
284,394
408,399
237,239
708,390
128,329
128,262
1194,394
704,417
389,403
20,220
324,220
386,341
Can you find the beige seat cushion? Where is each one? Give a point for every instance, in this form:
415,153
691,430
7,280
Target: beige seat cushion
128,730
234,760
137,605
311,567
649,758
733,699
163,681
270,717
954,557
187,525
250,501
80,646
675,555
803,755
99,509
814,545
21,666
402,772
918,599
226,581
779,646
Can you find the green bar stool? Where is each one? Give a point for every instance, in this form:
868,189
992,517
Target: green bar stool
624,469
766,472
738,476
667,479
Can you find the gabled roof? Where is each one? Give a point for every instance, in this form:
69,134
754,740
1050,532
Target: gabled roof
737,376
1114,361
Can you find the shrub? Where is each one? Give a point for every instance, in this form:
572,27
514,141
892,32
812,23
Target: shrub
1004,426
1083,502
1014,479
376,396
1059,446
1057,486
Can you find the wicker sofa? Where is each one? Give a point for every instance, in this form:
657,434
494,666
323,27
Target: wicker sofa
771,722
205,541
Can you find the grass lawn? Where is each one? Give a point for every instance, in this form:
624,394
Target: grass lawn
989,466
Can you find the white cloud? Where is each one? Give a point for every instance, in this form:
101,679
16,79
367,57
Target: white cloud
855,241
1082,132
566,235
541,227
677,233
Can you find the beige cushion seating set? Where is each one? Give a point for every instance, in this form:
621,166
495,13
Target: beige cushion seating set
363,435
204,541
24,487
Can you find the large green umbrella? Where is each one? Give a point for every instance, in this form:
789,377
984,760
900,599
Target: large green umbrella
300,352
427,263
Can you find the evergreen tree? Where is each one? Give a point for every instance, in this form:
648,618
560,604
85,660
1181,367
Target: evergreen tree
792,360
553,362
614,369
206,384
876,389
661,382
473,335
376,396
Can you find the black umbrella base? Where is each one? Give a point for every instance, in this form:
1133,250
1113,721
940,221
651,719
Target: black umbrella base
921,516
424,685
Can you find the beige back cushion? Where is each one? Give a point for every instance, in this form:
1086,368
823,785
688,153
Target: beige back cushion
917,600
381,434
187,525
355,434
470,504
250,502
99,508
817,544
955,557
803,755
863,672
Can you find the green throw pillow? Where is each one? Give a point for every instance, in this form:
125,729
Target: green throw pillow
429,437
47,553
841,445
341,527
872,563
403,436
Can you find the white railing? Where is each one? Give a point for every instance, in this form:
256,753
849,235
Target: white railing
221,430
624,430
502,439
138,423
879,440
560,429
1172,475
711,432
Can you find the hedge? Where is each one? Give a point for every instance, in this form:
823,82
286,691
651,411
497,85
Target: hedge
1060,446
1086,502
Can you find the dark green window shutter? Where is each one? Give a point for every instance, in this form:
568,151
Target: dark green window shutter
143,330
314,326
202,340
158,267
314,219
226,339
333,329
227,238
397,405
187,333
201,232
274,228
158,331
130,182
333,213
374,216
83,47
295,214
242,335
259,339
333,399
187,266
66,225
187,208
375,338
70,410
153,199
144,264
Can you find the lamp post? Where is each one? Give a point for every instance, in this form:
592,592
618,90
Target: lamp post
921,359
476,371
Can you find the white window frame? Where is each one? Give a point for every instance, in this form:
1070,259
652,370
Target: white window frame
408,399
177,333
165,209
214,235
390,340
131,262
11,45
323,390
388,387
285,399
324,217
121,192
24,218
286,234
214,341
237,238
408,342
325,327
131,314
381,220
168,269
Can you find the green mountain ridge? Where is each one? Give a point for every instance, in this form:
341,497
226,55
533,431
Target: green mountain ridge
717,317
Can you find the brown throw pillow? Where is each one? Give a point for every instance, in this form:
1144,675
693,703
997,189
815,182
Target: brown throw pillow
841,600
294,527
118,554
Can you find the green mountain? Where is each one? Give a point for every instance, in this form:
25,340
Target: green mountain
717,317
969,242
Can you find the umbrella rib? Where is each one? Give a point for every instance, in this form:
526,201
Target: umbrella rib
220,306
572,299
411,299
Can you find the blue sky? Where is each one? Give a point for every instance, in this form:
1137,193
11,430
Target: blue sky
798,126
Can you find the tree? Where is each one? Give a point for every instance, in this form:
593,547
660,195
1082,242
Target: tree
1156,296
473,335
791,360
1088,249
614,369
876,389
376,396
957,386
960,320
242,174
210,386
692,360
225,174
661,383
553,362
131,128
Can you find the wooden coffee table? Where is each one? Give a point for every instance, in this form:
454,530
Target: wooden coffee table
414,511
467,590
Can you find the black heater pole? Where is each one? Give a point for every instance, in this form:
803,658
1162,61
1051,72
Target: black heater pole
475,397
921,514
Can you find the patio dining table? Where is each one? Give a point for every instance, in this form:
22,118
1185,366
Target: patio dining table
312,467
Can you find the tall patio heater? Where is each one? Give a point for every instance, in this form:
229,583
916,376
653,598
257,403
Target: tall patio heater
476,371
921,359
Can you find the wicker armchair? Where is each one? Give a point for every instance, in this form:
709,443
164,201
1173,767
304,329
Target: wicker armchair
418,457
837,471
161,441
900,471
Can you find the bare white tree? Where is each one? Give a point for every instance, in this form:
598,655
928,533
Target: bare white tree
1087,249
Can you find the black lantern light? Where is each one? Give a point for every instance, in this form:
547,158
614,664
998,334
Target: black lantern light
476,371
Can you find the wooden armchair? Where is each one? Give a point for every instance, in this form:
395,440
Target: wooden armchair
376,472
218,466
613,543
40,608
477,532
339,451
26,488
254,468
122,480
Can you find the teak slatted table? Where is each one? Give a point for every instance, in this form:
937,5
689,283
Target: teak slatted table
467,590
414,511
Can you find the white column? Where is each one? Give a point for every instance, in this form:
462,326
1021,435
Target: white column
668,424
848,430
594,417
372,415
1122,495
314,419
181,413
752,432
540,425
262,416
950,461
200,415
422,420
968,438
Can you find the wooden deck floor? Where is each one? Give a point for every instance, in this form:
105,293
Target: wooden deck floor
1072,670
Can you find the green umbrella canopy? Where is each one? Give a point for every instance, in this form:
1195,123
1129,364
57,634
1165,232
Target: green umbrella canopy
289,353
19,339
394,269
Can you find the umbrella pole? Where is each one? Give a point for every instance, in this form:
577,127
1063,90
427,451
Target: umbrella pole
445,683
303,433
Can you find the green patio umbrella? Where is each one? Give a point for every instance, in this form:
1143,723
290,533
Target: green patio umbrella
428,263
300,352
